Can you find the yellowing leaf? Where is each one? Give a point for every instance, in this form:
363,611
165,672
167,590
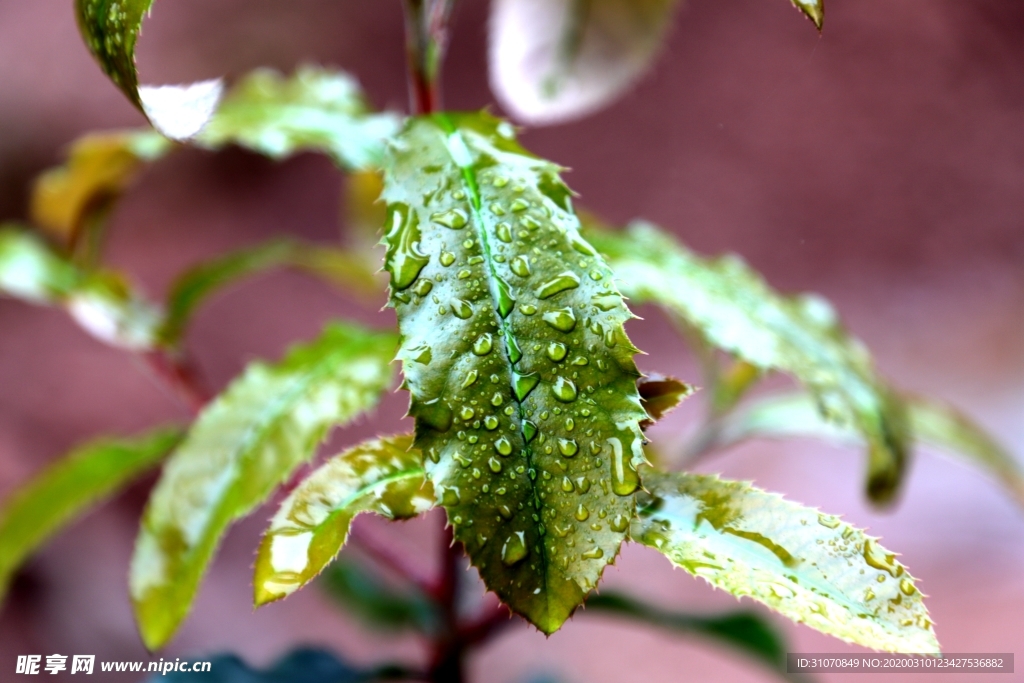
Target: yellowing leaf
810,567
813,10
384,476
111,29
69,488
736,311
522,377
313,110
250,439
554,60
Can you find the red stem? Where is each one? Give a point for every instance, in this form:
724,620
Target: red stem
181,377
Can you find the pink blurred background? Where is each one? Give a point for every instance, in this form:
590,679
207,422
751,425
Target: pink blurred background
881,165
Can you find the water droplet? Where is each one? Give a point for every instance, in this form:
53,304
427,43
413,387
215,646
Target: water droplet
404,260
529,222
529,430
581,245
466,413
423,287
869,595
505,511
455,219
497,399
447,258
563,320
879,559
461,309
559,283
514,551
582,513
607,301
470,379
619,523
524,384
500,181
564,390
907,587
527,309
567,447
504,232
503,446
828,521
625,480
583,484
567,485
491,423
497,209
421,354
505,301
436,413
521,266
594,553
519,205
464,274
557,351
450,497
494,464
596,275
515,354
483,345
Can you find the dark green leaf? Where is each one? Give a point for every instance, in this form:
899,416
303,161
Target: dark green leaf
379,604
522,377
250,439
810,567
384,476
660,394
736,311
345,269
931,424
102,302
553,60
747,631
315,109
111,29
69,488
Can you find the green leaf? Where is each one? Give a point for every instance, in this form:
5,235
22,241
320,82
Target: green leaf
384,476
69,488
380,605
931,424
813,10
735,310
315,109
810,567
111,29
348,271
660,395
746,631
554,60
100,166
103,302
250,439
522,377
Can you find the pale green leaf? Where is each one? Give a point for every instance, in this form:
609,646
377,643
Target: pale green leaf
522,378
810,567
102,302
384,476
69,488
737,311
347,270
244,444
554,60
932,424
111,29
315,109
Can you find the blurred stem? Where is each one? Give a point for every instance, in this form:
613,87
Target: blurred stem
384,557
447,662
180,376
426,40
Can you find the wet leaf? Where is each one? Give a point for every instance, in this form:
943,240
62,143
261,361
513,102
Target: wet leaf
746,631
103,303
660,395
111,29
348,271
811,567
244,444
69,488
732,306
932,424
554,60
522,378
364,593
313,110
382,476
99,168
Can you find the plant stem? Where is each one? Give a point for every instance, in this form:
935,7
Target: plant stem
180,376
447,662
426,40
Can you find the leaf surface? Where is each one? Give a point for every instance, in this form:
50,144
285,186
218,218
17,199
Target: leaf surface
246,442
660,395
554,60
384,476
111,29
810,567
522,378
313,110
69,488
813,10
732,306
931,423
